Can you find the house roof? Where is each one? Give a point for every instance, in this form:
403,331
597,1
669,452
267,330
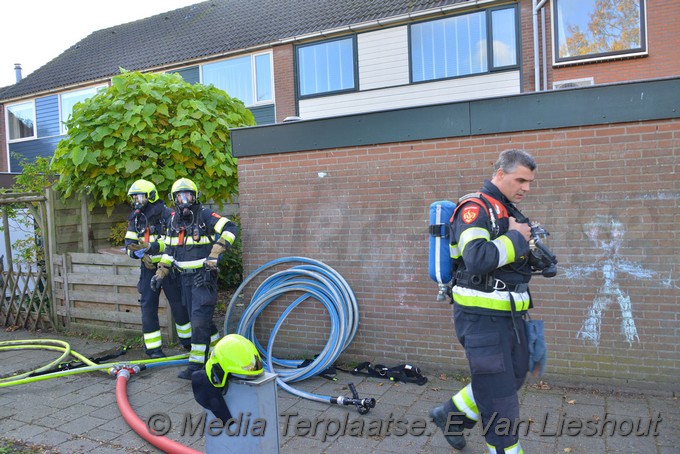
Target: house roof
210,28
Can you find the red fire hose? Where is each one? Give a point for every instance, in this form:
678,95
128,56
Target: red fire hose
163,443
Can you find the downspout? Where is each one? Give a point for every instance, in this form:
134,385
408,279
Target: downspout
545,51
537,68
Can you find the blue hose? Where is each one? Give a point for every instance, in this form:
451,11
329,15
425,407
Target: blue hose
313,279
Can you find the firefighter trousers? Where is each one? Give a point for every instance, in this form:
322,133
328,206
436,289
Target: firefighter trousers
498,366
199,293
149,304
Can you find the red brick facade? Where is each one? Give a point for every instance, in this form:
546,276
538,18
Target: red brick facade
608,194
284,82
661,61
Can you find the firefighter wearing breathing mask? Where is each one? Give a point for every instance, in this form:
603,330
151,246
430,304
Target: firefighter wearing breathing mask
144,240
197,236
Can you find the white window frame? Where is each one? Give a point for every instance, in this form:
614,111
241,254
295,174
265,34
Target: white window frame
615,55
94,90
253,78
7,125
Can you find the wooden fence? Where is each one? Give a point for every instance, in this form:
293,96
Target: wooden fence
98,292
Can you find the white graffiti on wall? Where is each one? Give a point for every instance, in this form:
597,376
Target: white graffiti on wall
607,234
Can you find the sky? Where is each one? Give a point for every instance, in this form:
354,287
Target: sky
33,32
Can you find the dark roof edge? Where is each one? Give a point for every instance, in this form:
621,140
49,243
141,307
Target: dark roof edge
585,106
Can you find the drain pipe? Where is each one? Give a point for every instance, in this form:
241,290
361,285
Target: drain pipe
536,6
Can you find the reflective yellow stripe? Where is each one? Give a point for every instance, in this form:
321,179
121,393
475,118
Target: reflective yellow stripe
152,340
197,354
465,402
498,300
471,234
129,235
190,264
188,241
219,225
455,251
228,236
183,331
514,449
506,250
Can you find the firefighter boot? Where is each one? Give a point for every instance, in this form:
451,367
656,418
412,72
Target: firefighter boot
191,368
155,353
453,431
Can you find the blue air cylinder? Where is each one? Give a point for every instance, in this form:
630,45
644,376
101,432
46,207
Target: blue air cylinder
440,263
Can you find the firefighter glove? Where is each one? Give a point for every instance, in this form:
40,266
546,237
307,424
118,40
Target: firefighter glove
218,248
148,262
139,246
157,279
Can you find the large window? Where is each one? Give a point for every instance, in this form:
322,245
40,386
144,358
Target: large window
248,78
68,100
21,121
586,29
326,67
459,46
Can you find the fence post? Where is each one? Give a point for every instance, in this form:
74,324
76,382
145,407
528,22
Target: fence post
85,222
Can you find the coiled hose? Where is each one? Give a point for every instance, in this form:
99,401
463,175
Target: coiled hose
313,279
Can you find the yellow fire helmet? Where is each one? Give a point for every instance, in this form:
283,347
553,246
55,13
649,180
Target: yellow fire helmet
143,188
236,355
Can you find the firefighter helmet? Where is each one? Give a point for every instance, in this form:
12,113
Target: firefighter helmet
184,192
141,192
235,355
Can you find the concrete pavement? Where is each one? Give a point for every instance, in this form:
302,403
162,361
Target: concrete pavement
79,414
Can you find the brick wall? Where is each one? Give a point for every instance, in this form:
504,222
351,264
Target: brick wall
284,82
608,194
661,61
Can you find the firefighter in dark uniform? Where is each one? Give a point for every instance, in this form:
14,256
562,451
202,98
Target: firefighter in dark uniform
490,295
196,238
144,240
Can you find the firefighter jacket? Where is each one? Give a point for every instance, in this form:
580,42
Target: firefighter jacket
491,263
150,225
190,238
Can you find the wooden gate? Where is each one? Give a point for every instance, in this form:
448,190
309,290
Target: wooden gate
26,289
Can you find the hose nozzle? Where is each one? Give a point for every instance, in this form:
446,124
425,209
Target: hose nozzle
363,405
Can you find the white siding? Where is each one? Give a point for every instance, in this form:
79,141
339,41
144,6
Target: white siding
383,58
452,90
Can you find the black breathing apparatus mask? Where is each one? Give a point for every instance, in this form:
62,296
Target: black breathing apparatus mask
184,201
138,201
541,259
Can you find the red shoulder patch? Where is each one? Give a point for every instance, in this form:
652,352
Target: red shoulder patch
215,215
470,213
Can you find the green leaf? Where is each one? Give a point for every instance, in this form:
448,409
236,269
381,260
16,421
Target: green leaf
131,166
77,156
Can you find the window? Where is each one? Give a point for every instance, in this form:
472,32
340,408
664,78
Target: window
68,100
458,45
326,67
21,121
586,29
248,78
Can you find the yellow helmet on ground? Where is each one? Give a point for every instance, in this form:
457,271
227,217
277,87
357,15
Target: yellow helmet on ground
235,355
141,192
